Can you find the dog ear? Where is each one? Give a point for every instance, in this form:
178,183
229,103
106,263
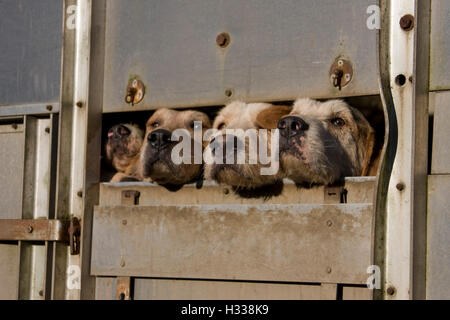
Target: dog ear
269,117
366,142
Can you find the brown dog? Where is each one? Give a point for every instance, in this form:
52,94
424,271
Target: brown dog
243,175
156,159
323,142
122,148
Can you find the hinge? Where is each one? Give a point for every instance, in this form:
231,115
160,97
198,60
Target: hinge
74,236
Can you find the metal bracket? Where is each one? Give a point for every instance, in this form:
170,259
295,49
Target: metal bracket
123,286
74,236
335,194
130,197
33,230
341,73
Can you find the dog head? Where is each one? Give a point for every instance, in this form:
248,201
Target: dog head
123,145
156,155
322,142
232,144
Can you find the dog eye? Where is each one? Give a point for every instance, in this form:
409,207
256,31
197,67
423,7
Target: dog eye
221,126
154,124
338,122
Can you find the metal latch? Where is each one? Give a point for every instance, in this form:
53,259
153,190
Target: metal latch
135,92
33,230
341,73
130,197
335,194
74,236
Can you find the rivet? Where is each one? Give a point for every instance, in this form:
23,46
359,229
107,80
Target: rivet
228,92
14,126
47,130
49,107
407,22
41,293
30,229
400,186
80,193
226,191
390,291
79,104
329,223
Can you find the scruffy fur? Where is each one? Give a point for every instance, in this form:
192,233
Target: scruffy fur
239,115
337,142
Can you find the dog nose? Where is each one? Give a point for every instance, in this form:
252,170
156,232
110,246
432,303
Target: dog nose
291,126
118,131
159,139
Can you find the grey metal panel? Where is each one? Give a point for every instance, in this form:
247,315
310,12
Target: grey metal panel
301,243
356,293
9,272
359,190
279,50
11,171
440,45
30,58
162,289
440,159
438,272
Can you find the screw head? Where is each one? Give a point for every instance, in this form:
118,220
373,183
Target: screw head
400,186
329,270
79,104
390,291
80,193
228,93
49,107
47,130
329,223
30,229
226,191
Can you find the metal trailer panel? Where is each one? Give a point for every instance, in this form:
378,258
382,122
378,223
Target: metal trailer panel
440,159
438,251
440,45
277,51
358,190
299,243
30,58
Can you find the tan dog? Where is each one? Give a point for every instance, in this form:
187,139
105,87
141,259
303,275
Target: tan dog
323,142
155,160
122,148
239,115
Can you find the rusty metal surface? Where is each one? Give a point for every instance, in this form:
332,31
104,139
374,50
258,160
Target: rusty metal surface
358,190
32,230
273,47
438,234
247,242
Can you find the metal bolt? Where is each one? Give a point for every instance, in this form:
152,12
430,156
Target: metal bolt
329,223
407,22
49,107
400,186
122,263
14,126
400,80
30,229
329,270
79,104
226,191
47,130
223,40
124,222
80,193
390,291
41,293
228,92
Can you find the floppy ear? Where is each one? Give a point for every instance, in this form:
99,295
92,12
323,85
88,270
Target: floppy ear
268,118
366,142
